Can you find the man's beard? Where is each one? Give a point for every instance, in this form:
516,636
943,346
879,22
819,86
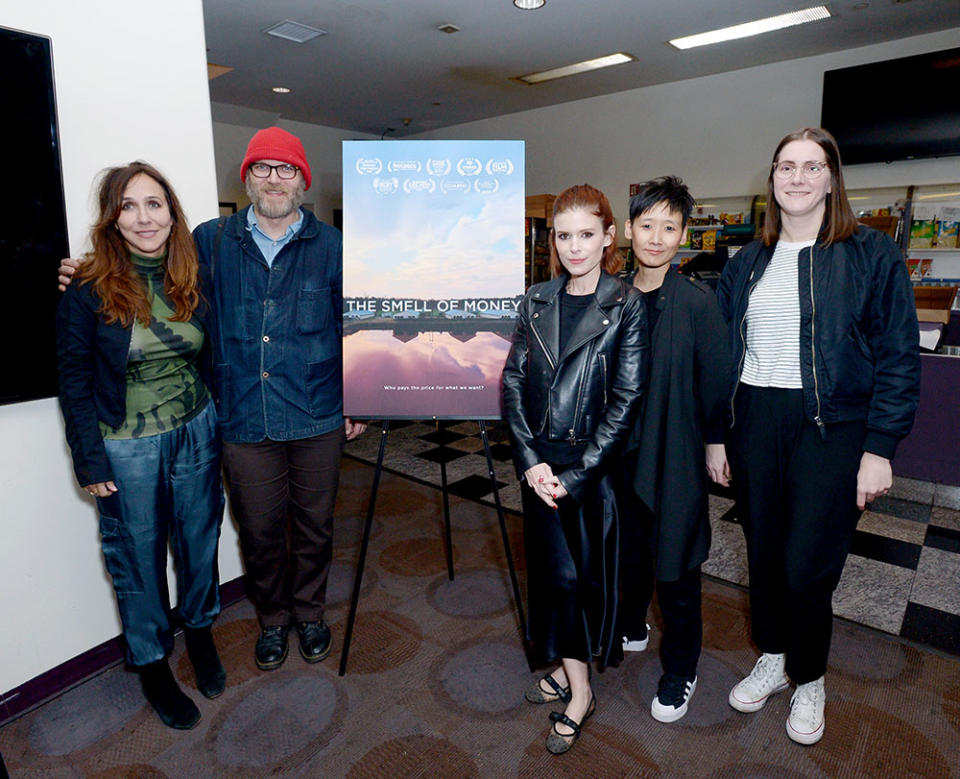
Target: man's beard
275,208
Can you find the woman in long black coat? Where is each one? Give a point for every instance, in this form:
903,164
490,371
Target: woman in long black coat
675,443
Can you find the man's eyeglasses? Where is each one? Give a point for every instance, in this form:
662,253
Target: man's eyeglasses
262,171
810,170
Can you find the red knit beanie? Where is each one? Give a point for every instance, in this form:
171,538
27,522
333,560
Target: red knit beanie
275,143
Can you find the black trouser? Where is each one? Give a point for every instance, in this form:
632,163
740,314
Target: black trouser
679,600
282,494
796,494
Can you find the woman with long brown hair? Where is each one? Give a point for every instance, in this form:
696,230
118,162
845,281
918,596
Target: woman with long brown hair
571,382
823,331
133,346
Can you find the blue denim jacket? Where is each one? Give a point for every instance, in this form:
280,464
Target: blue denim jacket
277,349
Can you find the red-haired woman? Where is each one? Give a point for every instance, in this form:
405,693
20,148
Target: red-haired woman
132,344
571,382
823,331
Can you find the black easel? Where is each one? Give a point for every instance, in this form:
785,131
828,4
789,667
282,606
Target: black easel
358,580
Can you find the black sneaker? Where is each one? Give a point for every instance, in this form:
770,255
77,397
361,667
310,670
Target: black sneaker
673,694
637,643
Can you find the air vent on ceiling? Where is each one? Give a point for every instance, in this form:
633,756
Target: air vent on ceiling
294,31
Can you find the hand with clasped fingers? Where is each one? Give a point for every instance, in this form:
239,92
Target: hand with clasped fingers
545,485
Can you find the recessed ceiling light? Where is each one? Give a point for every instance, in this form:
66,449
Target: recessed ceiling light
577,67
529,5
294,31
753,28
281,90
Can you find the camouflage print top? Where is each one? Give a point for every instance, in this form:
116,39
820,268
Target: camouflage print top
164,388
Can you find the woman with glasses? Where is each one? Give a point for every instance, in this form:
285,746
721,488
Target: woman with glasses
823,331
133,350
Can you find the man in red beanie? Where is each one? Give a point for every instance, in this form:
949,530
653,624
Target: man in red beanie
277,293
277,290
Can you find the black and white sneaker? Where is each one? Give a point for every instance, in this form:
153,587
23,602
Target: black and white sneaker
637,644
673,694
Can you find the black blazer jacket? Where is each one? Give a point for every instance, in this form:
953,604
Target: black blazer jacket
684,408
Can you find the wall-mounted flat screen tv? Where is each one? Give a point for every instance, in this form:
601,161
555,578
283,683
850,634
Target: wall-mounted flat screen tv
33,230
900,109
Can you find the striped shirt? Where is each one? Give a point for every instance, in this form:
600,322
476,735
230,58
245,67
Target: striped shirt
773,323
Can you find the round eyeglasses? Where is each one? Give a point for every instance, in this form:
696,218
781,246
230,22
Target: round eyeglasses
285,171
810,170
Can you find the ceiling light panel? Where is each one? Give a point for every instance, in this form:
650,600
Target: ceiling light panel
578,67
757,27
294,31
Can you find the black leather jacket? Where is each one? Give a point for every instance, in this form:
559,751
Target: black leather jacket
859,338
588,392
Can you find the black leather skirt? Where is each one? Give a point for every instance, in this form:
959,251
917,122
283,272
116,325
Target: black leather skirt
572,557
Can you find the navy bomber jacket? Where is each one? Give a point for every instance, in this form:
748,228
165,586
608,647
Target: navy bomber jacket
859,338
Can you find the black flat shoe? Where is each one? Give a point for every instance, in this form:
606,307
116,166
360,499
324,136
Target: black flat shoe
536,694
211,678
558,743
271,649
174,708
315,640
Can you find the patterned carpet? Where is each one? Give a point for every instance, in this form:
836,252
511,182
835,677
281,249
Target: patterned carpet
902,576
435,680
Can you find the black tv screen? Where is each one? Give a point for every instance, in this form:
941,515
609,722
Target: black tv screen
33,230
900,109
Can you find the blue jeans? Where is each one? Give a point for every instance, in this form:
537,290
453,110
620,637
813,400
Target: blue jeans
168,488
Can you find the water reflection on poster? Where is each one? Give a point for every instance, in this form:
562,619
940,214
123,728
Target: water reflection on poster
432,275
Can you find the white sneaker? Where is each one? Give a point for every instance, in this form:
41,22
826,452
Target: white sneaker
805,724
637,645
766,678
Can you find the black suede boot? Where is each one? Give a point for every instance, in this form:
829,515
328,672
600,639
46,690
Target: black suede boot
211,678
164,694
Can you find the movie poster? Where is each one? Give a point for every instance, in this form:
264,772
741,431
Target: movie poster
432,276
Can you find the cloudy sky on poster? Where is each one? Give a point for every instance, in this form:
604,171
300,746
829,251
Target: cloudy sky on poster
439,219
